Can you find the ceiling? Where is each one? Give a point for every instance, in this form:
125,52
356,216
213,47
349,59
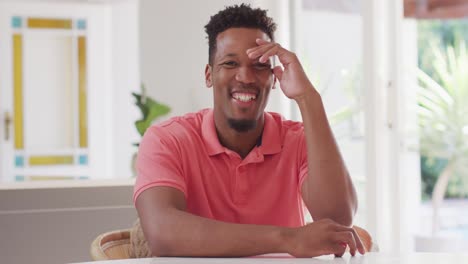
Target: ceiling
436,9
419,9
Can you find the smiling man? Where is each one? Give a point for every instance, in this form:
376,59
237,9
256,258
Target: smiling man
232,180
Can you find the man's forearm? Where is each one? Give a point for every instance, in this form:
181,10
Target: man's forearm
179,233
328,190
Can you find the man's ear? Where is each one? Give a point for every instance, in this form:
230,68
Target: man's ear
208,81
274,79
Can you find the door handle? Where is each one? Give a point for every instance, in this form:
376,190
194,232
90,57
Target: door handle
7,121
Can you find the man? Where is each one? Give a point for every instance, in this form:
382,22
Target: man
231,181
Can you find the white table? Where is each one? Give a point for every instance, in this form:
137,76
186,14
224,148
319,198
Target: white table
369,258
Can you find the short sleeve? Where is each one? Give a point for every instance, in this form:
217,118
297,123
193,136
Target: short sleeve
158,162
302,159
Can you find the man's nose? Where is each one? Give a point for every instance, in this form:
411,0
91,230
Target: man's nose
245,75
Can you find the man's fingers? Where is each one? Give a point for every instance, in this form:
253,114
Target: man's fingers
269,53
259,51
357,239
348,238
359,244
260,48
339,249
285,56
351,243
262,41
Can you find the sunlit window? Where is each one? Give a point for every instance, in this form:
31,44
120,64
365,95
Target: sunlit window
329,44
443,130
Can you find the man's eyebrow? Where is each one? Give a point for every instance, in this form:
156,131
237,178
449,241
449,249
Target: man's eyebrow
229,55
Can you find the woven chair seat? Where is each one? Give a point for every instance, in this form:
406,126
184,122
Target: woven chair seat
111,245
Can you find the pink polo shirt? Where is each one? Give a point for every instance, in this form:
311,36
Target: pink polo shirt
263,188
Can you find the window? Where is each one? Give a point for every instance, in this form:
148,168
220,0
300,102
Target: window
328,41
443,133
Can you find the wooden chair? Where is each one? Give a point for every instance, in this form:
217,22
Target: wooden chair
111,245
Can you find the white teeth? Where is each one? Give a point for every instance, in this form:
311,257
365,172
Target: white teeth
244,97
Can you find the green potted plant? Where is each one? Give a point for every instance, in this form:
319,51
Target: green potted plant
150,110
443,118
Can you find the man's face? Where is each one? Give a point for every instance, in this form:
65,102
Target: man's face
240,85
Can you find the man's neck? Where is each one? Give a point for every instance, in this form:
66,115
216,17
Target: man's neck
240,142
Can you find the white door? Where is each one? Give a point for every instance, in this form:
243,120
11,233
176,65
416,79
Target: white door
45,91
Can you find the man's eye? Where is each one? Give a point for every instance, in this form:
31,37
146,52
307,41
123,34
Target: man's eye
262,66
230,63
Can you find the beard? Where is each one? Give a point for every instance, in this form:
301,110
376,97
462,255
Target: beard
242,125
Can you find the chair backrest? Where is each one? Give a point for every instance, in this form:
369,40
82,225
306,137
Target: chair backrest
111,245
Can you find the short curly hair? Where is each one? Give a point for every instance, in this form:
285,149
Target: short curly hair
237,16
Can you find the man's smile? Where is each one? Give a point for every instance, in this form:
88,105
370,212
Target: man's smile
244,96
244,99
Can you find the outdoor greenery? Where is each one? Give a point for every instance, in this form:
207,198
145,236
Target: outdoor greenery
443,112
443,109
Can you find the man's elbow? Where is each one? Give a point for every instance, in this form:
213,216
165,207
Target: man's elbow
345,218
161,246
342,216
346,215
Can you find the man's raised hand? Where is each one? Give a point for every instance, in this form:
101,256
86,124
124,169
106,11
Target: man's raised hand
292,79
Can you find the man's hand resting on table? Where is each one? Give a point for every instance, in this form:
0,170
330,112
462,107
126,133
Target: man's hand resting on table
171,231
322,237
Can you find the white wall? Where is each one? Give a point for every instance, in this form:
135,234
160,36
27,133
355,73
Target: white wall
125,79
57,225
174,50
